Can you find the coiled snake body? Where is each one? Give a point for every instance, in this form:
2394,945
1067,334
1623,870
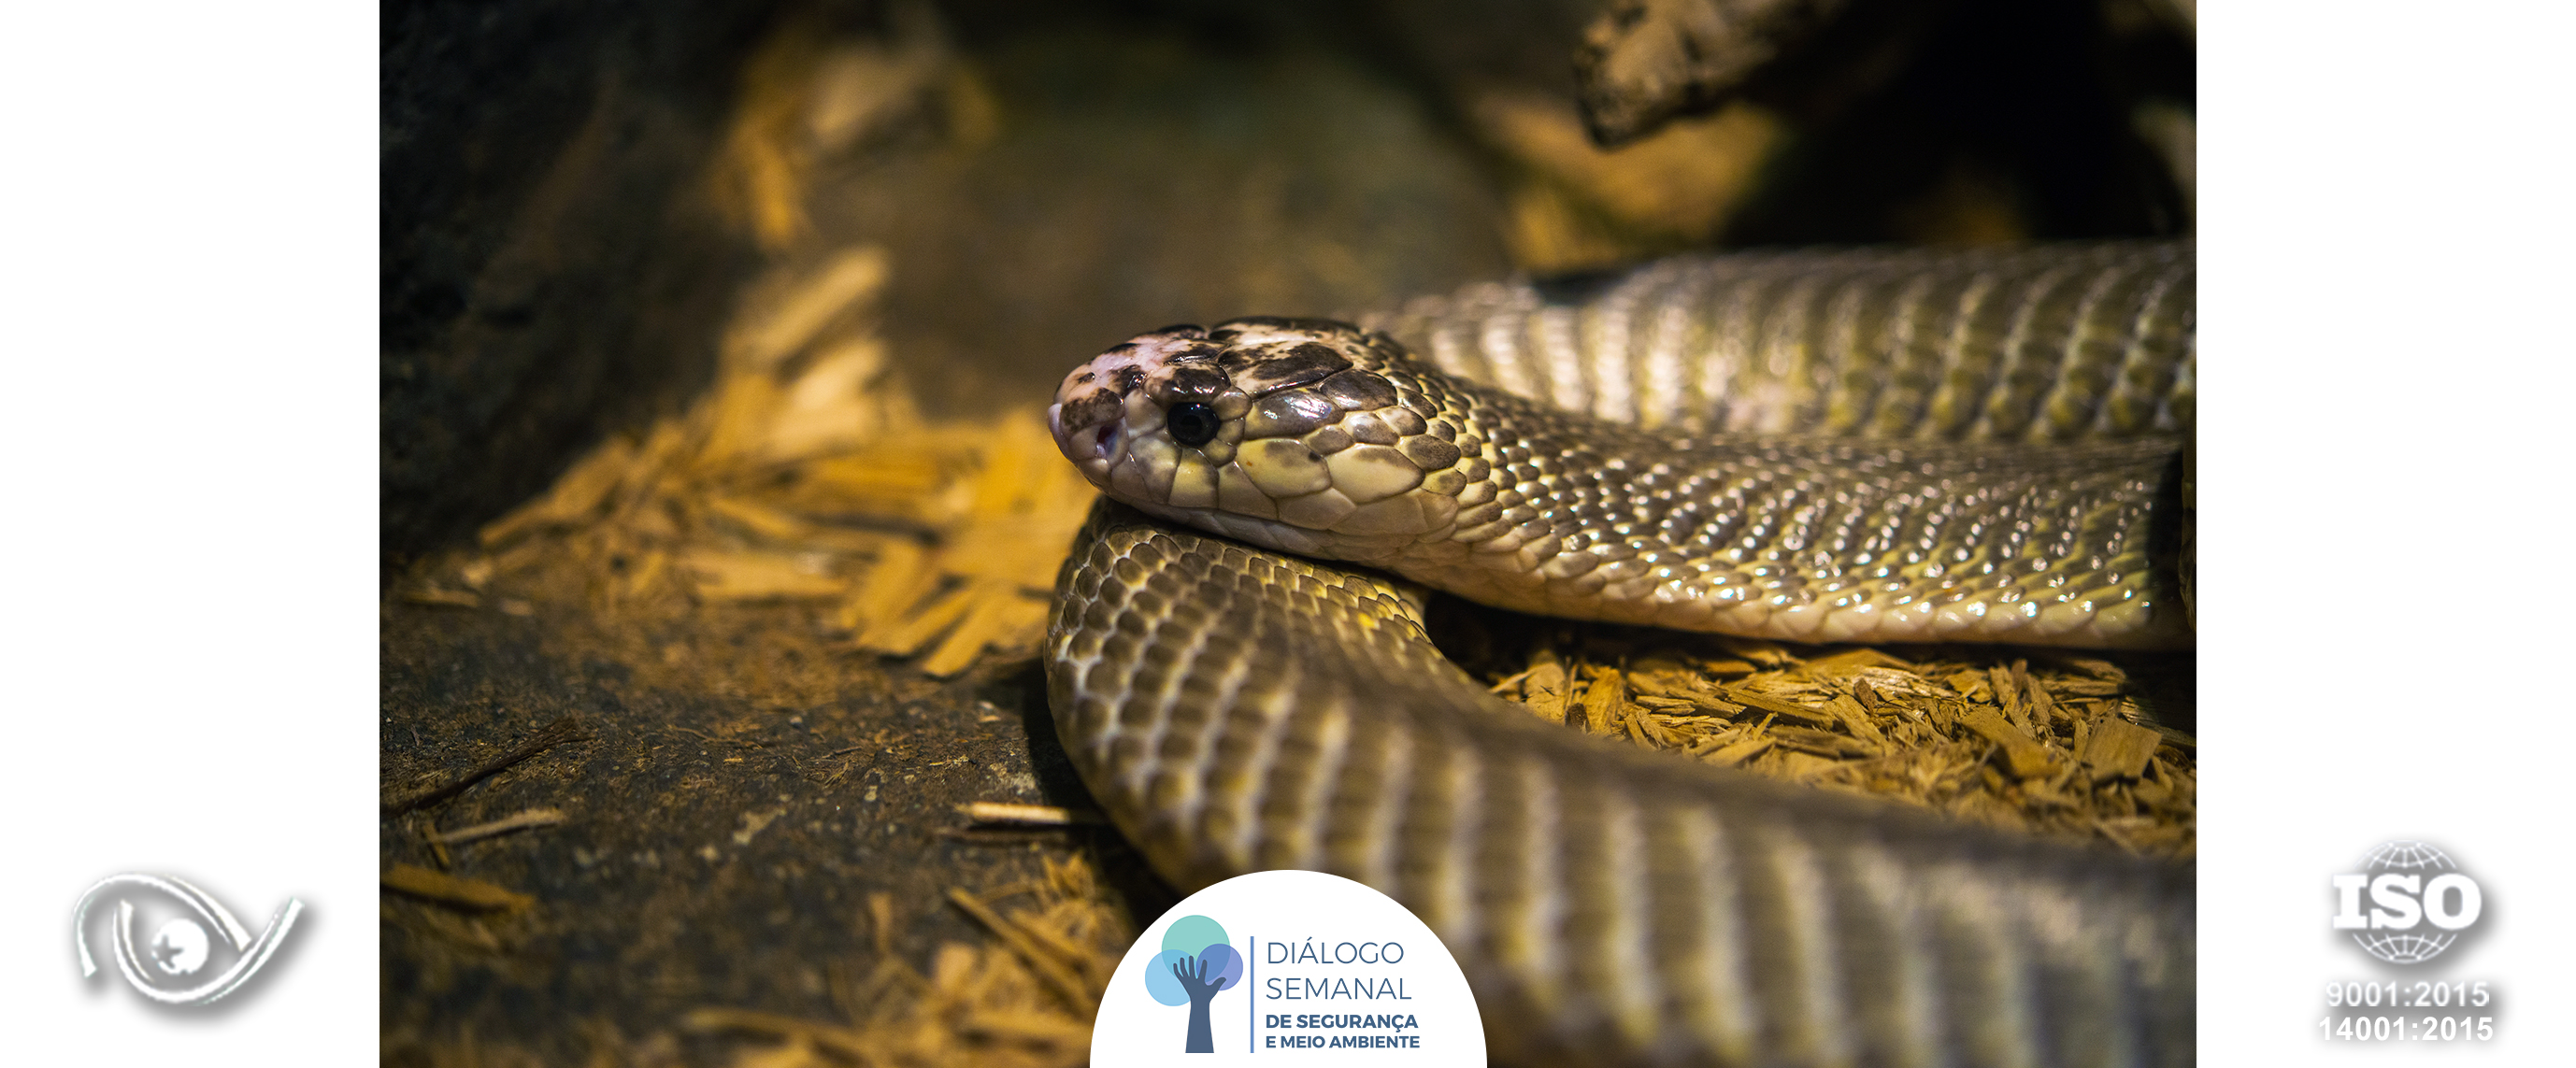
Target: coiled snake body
1843,446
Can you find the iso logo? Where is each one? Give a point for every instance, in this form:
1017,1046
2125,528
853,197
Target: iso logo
2421,902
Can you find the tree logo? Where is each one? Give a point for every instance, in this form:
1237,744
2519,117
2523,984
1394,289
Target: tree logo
1323,963
1197,961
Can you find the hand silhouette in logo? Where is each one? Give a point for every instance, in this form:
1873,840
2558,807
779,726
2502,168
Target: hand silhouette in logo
1197,961
1214,969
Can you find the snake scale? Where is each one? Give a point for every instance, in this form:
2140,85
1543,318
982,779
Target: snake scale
1813,446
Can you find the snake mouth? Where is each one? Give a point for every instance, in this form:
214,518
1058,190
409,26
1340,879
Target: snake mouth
1094,448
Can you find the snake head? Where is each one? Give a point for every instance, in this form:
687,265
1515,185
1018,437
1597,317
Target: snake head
1304,435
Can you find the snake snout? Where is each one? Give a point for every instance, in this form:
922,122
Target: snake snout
1088,442
1110,414
1288,433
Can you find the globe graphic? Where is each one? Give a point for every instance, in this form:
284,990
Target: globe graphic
2407,947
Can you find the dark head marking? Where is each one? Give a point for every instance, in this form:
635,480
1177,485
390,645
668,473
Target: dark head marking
1195,382
1130,379
1095,407
1359,390
1291,412
1261,370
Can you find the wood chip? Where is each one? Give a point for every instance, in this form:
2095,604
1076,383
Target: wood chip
571,500
2043,709
438,596
840,1040
1999,680
1751,698
907,635
561,729
1739,752
1822,743
535,817
1034,815
2027,758
899,579
1850,661
1857,718
795,317
1001,616
1972,739
1863,693
1049,967
761,519
746,576
1805,767
454,890
1601,699
2119,749
1544,689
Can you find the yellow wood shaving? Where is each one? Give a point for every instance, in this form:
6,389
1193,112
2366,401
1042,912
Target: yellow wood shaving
999,616
745,576
572,498
907,635
1926,728
2120,749
847,279
453,890
2028,759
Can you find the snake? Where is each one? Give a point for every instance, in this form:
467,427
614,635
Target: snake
1837,445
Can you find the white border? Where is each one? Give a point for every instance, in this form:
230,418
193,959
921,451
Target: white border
2384,198
188,509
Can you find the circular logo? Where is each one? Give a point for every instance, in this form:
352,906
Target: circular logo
1287,963
2420,902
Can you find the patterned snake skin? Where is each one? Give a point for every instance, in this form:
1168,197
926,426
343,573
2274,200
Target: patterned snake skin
1886,446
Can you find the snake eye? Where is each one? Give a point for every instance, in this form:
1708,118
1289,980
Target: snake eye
1191,423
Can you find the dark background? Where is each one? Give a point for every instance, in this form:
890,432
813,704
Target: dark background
553,268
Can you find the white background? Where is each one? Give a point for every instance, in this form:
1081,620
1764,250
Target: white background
188,501
2385,298
188,511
